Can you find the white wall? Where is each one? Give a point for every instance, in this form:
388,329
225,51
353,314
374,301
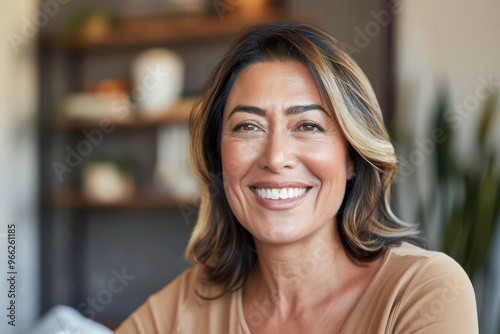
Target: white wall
456,42
18,171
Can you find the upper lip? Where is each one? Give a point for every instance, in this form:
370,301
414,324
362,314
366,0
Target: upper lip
279,185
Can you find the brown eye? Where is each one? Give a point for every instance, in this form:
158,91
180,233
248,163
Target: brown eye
245,127
310,128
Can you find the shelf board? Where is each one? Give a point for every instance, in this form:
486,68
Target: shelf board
179,113
73,198
163,31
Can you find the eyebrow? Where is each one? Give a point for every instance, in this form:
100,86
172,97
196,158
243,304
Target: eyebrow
289,111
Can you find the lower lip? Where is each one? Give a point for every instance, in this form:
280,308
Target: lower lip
280,204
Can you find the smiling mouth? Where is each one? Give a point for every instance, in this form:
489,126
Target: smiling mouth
278,194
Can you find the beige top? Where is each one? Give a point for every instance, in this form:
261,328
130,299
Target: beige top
414,291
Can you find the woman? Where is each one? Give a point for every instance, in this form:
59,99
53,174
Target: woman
295,233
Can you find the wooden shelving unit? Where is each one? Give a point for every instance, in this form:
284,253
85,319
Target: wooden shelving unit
178,113
141,33
141,199
74,198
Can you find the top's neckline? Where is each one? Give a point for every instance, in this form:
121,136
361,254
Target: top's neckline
369,287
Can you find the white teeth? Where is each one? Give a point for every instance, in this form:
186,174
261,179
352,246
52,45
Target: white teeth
275,194
284,193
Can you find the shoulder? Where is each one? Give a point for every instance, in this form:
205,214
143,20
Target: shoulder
417,261
435,296
425,267
174,306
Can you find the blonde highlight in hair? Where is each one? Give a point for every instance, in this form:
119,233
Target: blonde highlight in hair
366,223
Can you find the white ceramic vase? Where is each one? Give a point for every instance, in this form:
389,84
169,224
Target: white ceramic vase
158,79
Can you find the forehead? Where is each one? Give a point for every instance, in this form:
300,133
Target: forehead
274,84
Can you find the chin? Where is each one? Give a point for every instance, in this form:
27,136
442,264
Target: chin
283,233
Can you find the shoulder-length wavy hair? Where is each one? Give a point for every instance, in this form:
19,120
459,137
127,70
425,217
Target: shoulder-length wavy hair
366,223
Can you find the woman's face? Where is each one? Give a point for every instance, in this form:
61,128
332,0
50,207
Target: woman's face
285,161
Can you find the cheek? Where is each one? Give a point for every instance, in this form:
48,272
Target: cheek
236,158
327,161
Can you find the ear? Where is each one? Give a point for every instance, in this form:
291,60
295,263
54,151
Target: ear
350,168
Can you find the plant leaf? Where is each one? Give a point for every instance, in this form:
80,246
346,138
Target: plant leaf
486,122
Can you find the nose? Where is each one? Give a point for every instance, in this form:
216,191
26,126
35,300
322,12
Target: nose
278,152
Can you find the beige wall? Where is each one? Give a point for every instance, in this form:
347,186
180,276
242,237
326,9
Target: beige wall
456,42
18,172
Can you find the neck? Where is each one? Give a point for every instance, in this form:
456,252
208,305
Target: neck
288,275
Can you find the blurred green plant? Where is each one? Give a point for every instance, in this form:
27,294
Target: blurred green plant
466,196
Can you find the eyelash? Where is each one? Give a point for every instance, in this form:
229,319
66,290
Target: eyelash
317,128
239,127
